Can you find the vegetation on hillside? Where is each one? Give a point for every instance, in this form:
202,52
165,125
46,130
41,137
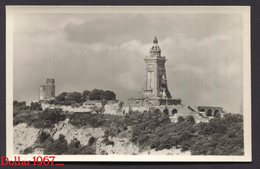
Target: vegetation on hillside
60,146
220,136
148,130
34,116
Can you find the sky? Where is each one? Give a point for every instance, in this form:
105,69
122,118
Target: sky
204,54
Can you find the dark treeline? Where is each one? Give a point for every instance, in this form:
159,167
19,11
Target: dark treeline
78,98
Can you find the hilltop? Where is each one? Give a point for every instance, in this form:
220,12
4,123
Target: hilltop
54,131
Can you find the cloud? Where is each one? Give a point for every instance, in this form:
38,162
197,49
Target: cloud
176,41
99,47
128,82
86,51
136,45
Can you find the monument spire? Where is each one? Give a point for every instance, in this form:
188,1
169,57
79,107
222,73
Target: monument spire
155,51
155,41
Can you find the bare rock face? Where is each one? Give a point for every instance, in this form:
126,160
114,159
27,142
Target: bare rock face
122,146
83,134
111,109
70,132
114,109
24,137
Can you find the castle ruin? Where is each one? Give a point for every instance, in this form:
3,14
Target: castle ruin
47,91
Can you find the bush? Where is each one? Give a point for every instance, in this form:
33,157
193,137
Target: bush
19,107
35,106
25,116
190,119
220,136
91,141
226,137
48,118
180,119
87,150
28,150
43,136
44,119
58,147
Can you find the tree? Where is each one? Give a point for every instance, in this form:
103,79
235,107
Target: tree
96,94
109,95
35,106
190,119
74,97
15,102
61,97
48,117
21,105
91,141
58,147
180,119
85,94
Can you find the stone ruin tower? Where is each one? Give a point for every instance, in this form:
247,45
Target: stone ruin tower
47,91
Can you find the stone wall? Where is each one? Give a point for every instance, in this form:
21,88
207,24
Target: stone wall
137,102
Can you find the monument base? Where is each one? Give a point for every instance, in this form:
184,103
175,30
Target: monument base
139,102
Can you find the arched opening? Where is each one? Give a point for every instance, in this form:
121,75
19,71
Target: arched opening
209,112
157,111
166,112
174,111
215,112
145,111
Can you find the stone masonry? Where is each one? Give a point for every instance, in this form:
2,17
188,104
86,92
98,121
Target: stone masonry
155,89
47,91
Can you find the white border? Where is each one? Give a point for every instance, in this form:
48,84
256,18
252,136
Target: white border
244,10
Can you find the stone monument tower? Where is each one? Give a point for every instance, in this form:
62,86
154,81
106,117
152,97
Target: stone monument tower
155,82
155,89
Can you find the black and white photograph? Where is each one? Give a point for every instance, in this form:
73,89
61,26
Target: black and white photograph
129,83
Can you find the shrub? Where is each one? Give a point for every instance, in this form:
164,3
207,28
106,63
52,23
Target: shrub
87,150
48,118
180,119
19,107
58,147
91,141
35,106
28,150
190,119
